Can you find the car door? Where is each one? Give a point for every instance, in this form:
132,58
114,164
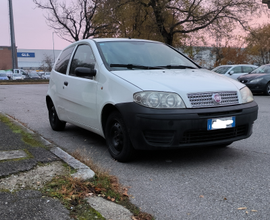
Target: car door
80,92
235,72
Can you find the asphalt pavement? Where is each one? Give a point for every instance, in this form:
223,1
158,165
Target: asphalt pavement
19,201
205,183
25,204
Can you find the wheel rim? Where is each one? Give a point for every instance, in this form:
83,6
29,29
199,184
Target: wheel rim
116,137
53,115
268,89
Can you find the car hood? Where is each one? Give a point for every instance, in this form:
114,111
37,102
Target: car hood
251,76
180,81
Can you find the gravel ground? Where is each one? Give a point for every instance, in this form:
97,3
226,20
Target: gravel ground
35,178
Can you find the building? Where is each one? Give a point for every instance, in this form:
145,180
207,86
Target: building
5,58
29,59
33,58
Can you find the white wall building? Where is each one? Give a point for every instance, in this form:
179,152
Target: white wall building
32,58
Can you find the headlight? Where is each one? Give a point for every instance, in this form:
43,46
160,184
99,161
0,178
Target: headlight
256,80
246,95
158,99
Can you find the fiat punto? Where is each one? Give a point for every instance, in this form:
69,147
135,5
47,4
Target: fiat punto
141,94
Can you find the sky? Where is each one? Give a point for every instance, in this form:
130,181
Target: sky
31,30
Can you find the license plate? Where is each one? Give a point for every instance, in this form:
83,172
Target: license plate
221,123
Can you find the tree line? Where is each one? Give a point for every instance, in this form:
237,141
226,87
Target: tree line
174,22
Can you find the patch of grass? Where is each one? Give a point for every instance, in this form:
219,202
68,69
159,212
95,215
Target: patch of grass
108,186
30,139
25,81
72,192
69,168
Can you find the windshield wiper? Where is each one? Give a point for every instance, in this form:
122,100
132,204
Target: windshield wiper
133,66
178,67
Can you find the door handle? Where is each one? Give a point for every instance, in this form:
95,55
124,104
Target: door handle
66,83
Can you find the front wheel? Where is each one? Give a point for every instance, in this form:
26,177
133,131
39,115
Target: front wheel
267,89
117,138
56,123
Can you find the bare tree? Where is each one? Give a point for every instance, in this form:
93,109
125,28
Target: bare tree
72,21
47,63
174,17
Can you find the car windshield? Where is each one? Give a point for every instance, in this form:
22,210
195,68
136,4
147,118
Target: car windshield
142,55
221,69
262,69
3,75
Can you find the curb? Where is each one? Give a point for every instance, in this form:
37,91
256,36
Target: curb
83,171
107,209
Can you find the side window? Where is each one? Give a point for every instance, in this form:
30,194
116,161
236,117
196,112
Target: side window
62,62
83,57
237,69
247,69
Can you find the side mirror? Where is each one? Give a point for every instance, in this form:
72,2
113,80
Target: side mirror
85,71
231,72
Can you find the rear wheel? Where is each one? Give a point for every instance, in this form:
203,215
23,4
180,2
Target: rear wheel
117,138
55,122
267,89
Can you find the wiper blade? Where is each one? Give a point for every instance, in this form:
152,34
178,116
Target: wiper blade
178,67
133,66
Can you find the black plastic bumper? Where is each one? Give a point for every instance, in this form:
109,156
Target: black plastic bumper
162,128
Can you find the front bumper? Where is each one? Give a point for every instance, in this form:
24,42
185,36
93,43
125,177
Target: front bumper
163,128
259,87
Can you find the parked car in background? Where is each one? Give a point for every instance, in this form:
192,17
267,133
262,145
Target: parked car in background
258,81
234,71
17,76
46,75
33,75
41,73
146,95
3,76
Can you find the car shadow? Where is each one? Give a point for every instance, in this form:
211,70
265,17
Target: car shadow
191,155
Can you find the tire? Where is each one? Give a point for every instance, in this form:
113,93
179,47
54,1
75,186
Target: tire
55,122
267,89
117,138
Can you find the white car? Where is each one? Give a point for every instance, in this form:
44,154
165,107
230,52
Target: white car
46,75
141,94
17,76
234,71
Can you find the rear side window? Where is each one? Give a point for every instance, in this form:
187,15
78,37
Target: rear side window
62,62
237,69
247,69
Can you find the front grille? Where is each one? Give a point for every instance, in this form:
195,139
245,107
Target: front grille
199,100
190,137
159,137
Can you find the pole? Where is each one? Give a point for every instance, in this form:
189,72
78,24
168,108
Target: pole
12,37
53,47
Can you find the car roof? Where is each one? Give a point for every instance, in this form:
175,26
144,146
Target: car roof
98,40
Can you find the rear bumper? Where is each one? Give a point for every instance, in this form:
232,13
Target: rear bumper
163,128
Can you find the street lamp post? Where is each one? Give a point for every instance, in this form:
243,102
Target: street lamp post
12,37
53,47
